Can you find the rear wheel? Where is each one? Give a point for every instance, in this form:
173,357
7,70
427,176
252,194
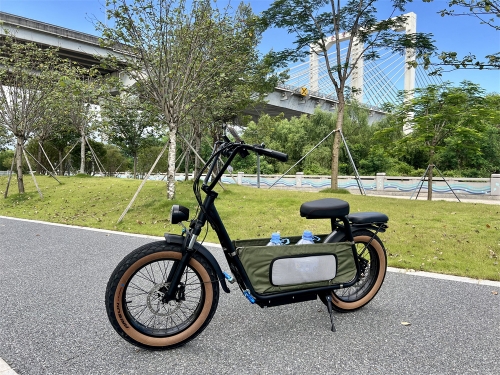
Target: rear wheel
136,307
373,263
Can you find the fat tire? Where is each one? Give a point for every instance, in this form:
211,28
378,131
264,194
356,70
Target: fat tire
126,325
378,266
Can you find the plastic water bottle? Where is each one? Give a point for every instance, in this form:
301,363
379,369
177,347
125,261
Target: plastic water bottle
307,238
275,240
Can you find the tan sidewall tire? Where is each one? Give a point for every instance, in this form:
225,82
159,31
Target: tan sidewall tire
376,286
162,341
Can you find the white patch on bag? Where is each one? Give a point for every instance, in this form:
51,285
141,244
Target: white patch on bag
299,270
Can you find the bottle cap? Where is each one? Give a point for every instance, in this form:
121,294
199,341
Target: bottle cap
275,237
307,235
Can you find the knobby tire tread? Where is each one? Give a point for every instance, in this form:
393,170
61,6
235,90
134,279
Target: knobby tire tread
135,256
350,306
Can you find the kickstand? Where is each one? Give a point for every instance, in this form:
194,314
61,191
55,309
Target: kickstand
330,310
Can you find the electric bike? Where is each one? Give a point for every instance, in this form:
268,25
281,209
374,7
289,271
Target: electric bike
165,293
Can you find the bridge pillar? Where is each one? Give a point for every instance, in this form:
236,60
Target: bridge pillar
409,84
357,61
357,70
411,28
313,71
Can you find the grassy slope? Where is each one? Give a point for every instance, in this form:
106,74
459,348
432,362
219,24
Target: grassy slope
447,237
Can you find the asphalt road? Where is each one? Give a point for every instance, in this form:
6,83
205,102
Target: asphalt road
53,320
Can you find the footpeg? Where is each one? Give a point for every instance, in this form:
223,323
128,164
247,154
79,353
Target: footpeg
229,278
330,310
247,294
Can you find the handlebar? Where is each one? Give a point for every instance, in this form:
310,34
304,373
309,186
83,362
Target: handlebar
230,149
271,153
259,149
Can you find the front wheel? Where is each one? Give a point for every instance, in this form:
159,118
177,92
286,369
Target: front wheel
135,304
373,264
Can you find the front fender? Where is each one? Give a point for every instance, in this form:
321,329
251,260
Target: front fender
175,238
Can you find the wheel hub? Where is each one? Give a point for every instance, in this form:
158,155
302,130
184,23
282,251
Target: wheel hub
364,266
155,301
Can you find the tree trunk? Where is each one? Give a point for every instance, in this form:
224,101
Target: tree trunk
186,165
135,165
61,166
197,146
172,147
336,147
429,182
19,164
69,164
39,169
430,172
82,152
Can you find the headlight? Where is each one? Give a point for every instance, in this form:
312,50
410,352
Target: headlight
178,213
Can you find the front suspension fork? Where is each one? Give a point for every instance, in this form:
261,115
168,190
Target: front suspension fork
187,250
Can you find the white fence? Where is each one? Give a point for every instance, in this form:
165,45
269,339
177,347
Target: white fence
379,183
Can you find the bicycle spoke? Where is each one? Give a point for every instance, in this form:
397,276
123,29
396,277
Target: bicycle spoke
146,308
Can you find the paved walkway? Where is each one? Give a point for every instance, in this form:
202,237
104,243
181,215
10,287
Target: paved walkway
52,284
438,198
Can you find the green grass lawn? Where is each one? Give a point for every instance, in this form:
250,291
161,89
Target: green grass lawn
447,237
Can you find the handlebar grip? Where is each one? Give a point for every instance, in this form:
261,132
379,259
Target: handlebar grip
272,153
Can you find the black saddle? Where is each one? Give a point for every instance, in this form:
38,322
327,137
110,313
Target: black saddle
330,208
324,209
367,217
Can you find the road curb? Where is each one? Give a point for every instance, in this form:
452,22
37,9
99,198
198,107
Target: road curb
444,277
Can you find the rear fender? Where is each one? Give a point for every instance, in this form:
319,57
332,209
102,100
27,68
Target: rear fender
370,227
339,233
175,238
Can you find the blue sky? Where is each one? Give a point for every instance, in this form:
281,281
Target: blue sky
461,34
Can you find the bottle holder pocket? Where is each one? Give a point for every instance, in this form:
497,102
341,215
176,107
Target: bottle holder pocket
273,269
303,269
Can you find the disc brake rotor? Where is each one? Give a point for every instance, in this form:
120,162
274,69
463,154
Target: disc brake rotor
155,304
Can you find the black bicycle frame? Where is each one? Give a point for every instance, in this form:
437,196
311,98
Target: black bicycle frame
208,212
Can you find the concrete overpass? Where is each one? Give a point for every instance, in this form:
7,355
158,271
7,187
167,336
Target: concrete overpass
295,101
86,50
81,48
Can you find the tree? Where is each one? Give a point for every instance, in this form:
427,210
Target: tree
51,123
147,156
245,79
4,138
128,120
316,22
448,123
29,76
82,90
63,140
114,161
6,157
487,12
175,49
93,158
474,148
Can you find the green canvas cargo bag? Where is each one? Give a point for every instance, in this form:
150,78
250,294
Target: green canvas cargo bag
274,269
